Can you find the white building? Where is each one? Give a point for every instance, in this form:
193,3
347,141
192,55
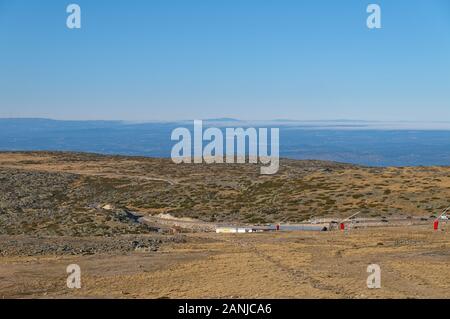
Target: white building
230,230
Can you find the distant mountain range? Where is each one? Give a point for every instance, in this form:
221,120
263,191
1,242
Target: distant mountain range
359,142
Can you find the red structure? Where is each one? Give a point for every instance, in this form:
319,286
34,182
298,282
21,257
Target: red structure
342,226
436,225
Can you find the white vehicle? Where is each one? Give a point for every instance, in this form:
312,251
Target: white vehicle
444,217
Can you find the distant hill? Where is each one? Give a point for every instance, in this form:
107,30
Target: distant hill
61,193
223,119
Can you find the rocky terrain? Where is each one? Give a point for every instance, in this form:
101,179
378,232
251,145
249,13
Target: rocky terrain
62,208
64,193
24,245
414,263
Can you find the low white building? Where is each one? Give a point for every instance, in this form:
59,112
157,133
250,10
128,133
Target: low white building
231,230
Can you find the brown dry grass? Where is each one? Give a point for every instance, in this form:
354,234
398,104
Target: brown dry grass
238,192
415,263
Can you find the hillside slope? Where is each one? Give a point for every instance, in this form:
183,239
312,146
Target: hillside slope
62,193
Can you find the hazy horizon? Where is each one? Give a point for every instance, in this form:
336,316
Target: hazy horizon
326,124
364,143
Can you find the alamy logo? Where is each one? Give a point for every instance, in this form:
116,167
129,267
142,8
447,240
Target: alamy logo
235,146
74,279
374,279
74,19
374,19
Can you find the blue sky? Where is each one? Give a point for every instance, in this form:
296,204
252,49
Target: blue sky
248,59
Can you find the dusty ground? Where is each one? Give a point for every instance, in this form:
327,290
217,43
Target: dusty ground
415,263
62,208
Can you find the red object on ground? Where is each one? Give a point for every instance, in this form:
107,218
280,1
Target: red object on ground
278,226
436,225
342,226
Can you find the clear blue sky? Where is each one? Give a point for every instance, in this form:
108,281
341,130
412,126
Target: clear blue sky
249,59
